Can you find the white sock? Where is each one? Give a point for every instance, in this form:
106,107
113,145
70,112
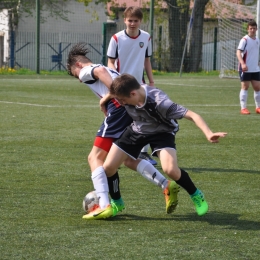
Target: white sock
145,149
148,171
257,98
243,98
99,180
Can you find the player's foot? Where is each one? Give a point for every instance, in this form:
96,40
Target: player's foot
146,156
171,196
257,110
99,213
244,111
200,203
117,205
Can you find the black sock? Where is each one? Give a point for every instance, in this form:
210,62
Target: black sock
113,185
186,183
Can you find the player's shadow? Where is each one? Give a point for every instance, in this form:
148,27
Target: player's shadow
200,170
226,220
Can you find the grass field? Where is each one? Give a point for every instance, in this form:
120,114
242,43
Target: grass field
48,124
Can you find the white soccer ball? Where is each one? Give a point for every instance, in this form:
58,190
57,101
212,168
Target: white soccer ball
90,201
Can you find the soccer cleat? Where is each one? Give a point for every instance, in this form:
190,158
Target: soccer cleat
244,111
99,213
200,203
171,196
117,205
146,156
257,110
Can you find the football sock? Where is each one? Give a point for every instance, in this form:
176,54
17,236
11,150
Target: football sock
147,170
186,183
145,149
113,185
257,98
243,98
100,184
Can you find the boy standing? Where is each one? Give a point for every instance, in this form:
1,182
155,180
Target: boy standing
129,51
249,71
155,122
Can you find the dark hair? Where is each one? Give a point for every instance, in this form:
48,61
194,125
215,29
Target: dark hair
133,11
123,84
251,23
77,53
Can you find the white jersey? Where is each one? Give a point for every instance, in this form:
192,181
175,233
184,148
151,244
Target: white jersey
86,75
130,52
250,49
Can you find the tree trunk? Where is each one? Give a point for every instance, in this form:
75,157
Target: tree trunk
196,38
178,17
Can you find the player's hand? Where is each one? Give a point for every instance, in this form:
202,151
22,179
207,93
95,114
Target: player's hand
244,67
213,138
102,105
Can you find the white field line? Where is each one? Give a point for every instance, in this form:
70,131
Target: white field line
39,105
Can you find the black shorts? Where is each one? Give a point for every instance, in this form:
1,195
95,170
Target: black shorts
132,143
248,76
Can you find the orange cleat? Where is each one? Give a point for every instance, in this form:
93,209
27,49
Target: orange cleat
257,110
245,111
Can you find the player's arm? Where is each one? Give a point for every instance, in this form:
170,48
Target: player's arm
148,70
240,59
111,63
102,74
201,124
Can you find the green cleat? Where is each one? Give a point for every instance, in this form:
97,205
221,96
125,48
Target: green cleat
117,205
99,213
200,203
171,196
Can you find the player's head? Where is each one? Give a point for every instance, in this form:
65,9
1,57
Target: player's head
77,55
252,28
123,88
133,11
251,23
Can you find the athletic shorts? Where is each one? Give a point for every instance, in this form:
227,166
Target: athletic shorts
116,121
248,76
132,143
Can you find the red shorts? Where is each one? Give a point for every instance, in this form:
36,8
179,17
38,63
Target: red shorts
104,143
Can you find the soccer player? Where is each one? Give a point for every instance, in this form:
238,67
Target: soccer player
154,122
249,71
129,51
98,77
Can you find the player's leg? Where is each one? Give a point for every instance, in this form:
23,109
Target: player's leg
169,164
145,155
256,86
149,172
243,94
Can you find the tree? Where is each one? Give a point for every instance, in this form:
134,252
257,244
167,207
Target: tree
195,53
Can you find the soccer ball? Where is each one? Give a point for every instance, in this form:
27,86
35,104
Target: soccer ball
90,201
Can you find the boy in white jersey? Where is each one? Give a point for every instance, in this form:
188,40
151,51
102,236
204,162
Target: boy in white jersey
98,78
154,122
129,51
249,71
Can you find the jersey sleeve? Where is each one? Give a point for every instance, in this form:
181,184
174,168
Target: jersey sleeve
149,51
112,47
86,74
242,44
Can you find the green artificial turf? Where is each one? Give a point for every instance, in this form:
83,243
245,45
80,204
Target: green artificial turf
48,124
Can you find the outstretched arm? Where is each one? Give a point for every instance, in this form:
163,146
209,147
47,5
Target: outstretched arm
201,124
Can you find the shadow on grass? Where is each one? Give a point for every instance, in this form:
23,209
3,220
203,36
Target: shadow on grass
227,220
199,170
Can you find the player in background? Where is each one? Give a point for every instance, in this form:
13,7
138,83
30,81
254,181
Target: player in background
98,77
129,51
249,71
154,122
